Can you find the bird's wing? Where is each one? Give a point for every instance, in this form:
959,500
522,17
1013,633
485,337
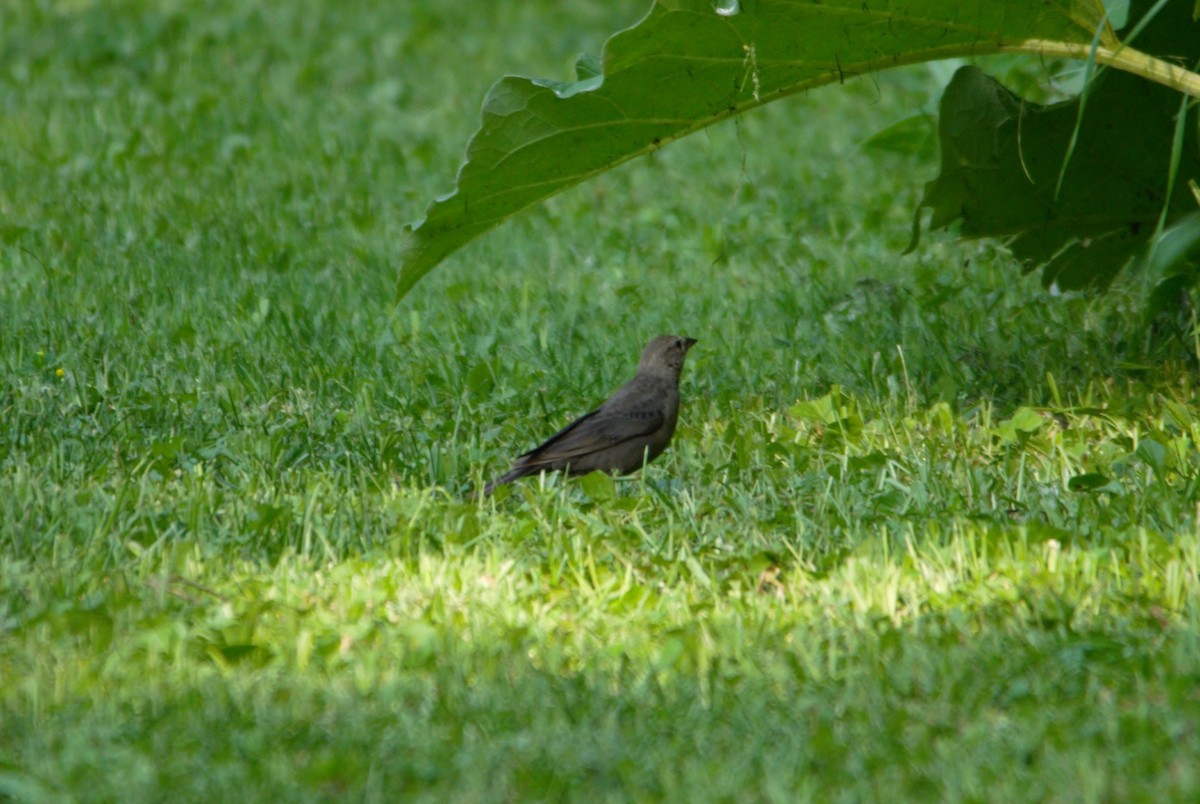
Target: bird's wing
600,429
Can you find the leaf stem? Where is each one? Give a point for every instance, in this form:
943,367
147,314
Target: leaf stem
1127,59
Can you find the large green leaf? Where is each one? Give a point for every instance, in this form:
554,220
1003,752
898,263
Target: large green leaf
1003,158
691,63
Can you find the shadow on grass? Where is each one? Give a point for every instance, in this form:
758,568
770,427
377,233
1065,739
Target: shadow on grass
939,707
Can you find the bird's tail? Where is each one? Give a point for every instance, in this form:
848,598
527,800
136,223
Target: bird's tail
512,474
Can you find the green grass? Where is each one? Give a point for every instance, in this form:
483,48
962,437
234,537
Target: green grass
926,531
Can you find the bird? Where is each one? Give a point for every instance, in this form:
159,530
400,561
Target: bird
629,430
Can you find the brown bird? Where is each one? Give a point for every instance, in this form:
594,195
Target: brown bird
628,431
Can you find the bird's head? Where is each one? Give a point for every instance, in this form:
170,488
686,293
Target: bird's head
664,355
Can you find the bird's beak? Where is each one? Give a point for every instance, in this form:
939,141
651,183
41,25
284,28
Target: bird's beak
690,342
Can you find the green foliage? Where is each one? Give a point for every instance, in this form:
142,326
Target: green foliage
687,65
691,63
926,536
1076,193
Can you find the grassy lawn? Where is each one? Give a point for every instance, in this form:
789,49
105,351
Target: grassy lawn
925,532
